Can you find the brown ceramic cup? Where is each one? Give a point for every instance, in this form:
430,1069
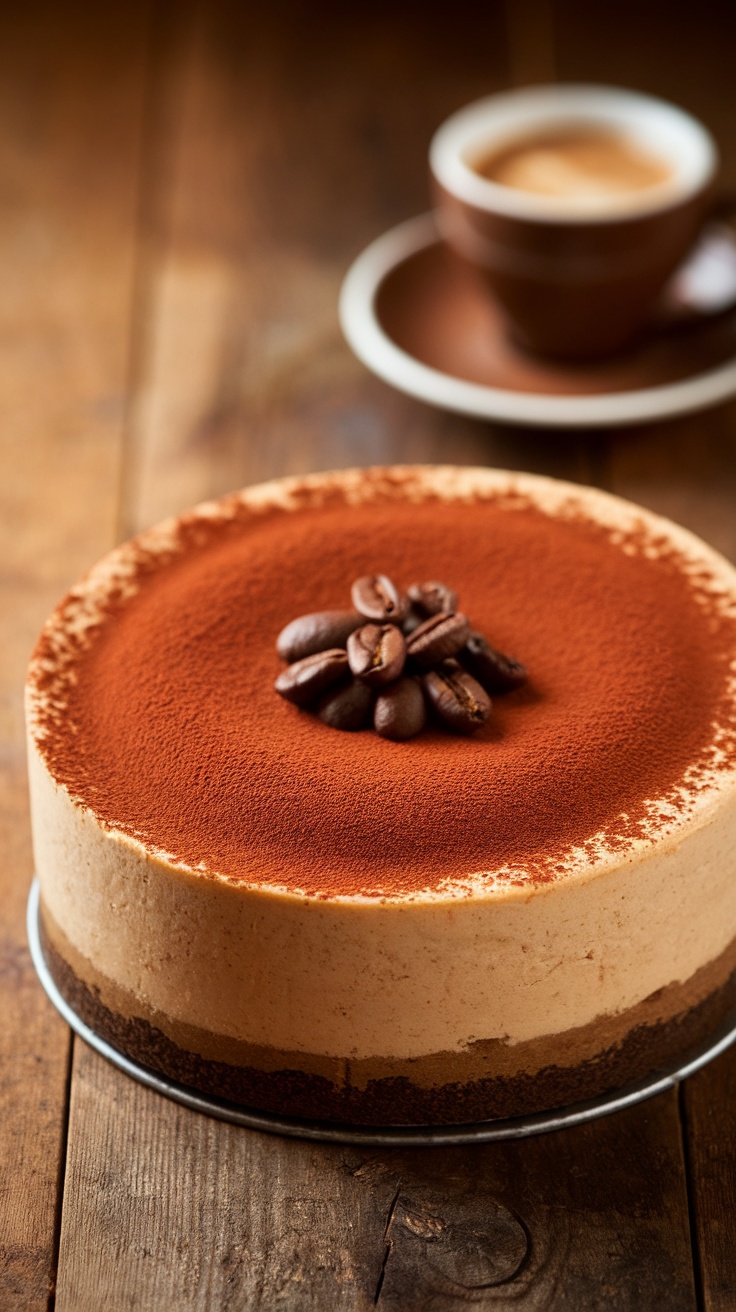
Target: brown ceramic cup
574,283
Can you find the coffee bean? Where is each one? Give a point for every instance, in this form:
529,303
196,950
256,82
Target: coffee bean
437,638
377,598
376,653
496,672
305,680
431,598
317,632
400,710
457,698
348,707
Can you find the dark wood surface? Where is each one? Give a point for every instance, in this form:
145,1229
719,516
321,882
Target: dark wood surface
182,187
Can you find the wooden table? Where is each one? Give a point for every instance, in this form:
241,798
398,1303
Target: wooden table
181,190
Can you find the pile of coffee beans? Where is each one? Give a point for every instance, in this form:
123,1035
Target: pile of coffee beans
392,660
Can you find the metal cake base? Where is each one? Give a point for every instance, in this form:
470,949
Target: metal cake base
520,1127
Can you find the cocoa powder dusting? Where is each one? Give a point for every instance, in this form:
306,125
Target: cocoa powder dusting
171,731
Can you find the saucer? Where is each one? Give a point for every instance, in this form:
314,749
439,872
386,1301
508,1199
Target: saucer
420,319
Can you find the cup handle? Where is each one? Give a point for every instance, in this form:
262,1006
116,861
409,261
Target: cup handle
704,286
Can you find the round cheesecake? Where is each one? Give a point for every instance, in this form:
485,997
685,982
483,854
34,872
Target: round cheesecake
333,925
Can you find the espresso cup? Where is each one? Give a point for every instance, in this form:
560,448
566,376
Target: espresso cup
575,277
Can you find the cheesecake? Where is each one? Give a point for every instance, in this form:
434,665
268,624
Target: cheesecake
338,926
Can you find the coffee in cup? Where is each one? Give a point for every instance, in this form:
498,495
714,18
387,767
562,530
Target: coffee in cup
575,204
592,168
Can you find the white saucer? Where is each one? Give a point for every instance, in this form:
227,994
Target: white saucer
418,319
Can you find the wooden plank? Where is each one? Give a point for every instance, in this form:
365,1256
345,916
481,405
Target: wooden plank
708,1100
181,1211
600,1207
271,172
530,27
71,87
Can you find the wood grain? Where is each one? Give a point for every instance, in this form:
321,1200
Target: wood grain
285,144
708,1100
165,1209
531,41
601,1207
71,87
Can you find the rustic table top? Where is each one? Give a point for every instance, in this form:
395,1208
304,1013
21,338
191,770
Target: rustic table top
182,187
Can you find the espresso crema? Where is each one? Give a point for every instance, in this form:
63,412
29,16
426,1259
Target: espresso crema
588,167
